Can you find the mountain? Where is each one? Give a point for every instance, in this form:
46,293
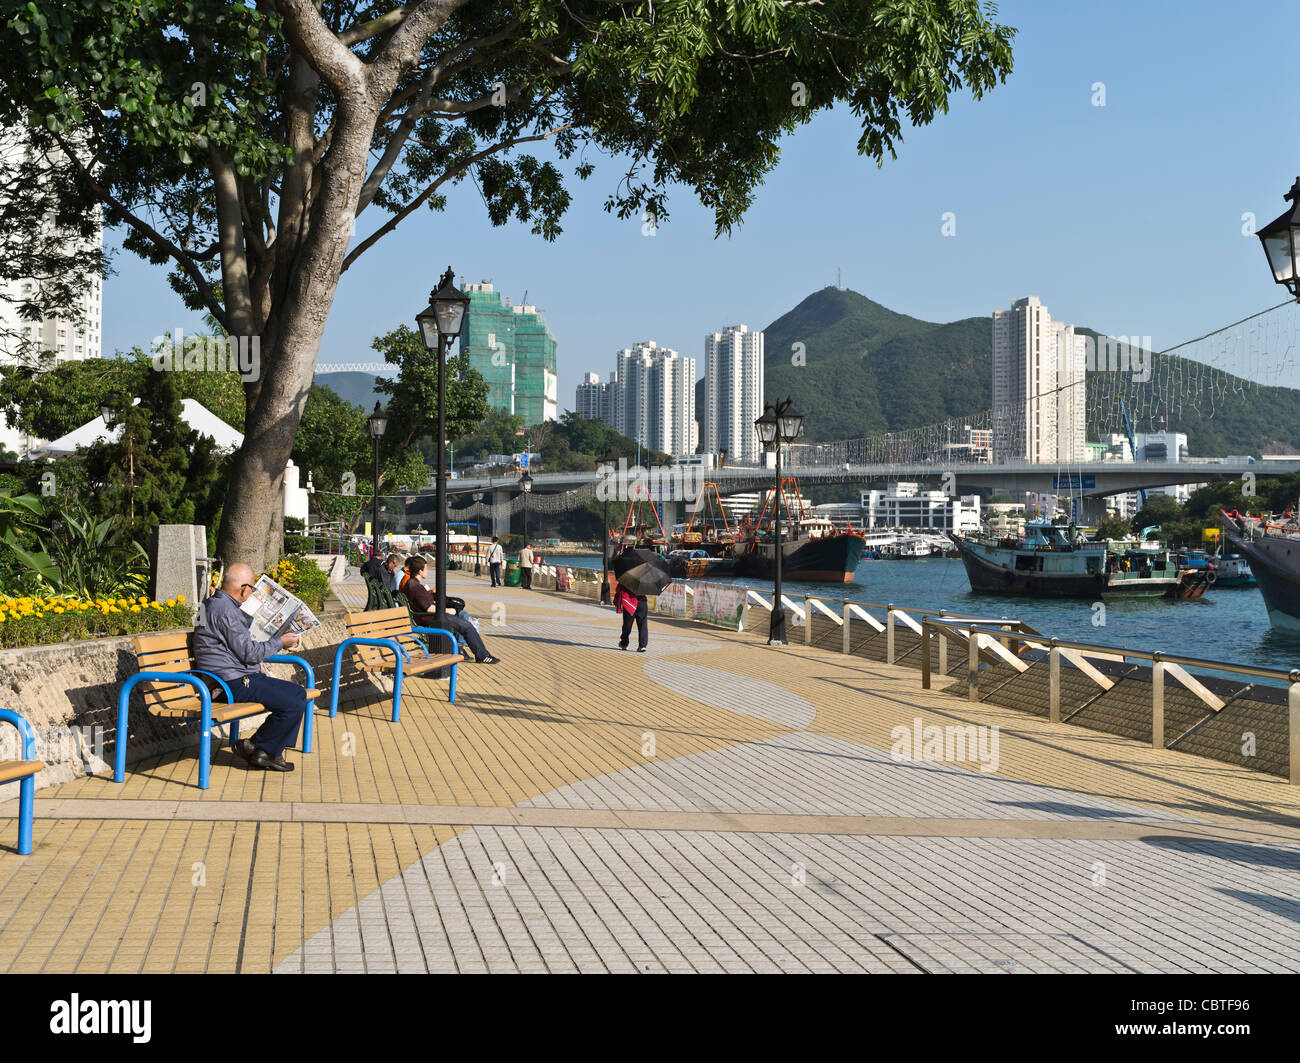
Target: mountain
869,370
356,388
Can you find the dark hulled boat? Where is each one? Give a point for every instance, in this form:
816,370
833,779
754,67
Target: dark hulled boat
1273,551
817,553
1051,563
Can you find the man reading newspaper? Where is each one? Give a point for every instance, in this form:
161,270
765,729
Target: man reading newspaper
235,634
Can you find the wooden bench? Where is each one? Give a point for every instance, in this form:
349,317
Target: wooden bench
173,687
385,640
22,772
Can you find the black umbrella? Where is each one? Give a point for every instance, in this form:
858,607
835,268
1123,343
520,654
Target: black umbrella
641,571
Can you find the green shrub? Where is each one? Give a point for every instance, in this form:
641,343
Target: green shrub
303,578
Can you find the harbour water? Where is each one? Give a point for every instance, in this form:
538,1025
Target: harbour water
1225,625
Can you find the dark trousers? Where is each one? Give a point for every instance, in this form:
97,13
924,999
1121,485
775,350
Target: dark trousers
287,703
494,570
526,577
642,618
458,625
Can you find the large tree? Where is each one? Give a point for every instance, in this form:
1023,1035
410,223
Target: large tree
238,142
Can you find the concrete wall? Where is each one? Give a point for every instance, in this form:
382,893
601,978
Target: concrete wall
75,685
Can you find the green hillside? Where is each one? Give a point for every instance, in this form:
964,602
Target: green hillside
870,370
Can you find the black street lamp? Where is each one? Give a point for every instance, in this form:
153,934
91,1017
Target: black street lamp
478,561
606,459
526,483
1281,240
378,422
440,323
779,425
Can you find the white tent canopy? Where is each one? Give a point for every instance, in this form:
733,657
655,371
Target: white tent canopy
193,413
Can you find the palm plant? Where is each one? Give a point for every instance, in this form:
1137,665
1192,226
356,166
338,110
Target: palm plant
96,556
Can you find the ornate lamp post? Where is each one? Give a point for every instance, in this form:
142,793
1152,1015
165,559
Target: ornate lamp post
1281,240
378,422
779,425
478,561
606,459
440,323
526,484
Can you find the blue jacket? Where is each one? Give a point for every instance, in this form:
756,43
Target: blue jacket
222,644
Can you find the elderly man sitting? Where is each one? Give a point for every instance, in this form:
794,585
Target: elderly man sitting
224,647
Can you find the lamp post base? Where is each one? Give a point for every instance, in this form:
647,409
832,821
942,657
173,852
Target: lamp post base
776,633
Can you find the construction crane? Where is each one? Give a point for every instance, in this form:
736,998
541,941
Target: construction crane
1132,446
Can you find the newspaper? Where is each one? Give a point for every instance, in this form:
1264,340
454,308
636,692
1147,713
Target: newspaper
276,612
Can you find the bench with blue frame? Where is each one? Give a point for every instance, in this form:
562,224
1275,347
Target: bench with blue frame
173,687
384,640
22,772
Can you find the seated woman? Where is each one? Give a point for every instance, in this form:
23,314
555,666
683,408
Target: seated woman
423,607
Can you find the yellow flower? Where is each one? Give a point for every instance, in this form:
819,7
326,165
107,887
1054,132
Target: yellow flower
180,597
58,609
171,602
135,608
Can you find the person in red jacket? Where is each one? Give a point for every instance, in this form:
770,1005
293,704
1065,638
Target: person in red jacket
633,607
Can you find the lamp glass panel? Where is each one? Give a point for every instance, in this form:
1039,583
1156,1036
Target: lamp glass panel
1277,246
428,330
450,314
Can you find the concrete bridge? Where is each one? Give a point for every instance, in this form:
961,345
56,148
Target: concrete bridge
1089,480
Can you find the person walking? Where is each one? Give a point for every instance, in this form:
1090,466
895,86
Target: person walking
526,567
496,556
633,607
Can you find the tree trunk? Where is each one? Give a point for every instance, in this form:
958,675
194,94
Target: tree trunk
253,518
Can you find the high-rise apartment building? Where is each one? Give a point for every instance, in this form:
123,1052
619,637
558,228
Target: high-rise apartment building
595,397
653,398
71,338
733,392
515,351
1038,386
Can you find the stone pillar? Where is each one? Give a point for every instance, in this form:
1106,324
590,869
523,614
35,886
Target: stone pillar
669,515
501,523
177,554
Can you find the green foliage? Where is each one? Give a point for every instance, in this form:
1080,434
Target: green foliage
413,396
1114,528
303,578
96,556
159,470
24,563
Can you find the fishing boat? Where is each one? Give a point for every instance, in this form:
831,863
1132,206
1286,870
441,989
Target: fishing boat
1272,548
812,548
1053,560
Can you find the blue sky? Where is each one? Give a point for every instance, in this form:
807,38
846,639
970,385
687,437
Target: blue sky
1126,218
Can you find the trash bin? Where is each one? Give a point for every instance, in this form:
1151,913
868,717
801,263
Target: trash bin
512,573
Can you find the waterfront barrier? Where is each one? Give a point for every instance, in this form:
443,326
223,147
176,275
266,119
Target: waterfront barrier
1149,696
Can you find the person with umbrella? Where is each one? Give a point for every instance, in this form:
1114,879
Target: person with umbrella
639,573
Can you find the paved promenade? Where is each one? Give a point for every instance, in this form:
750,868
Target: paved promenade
712,805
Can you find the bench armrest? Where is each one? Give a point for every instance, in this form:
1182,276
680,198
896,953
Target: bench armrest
289,658
230,697
436,631
24,730
123,702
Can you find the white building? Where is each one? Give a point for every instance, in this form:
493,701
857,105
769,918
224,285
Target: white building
905,505
1038,386
66,339
653,398
733,393
1165,446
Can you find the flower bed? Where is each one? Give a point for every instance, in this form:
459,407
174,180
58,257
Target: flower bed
303,578
36,621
